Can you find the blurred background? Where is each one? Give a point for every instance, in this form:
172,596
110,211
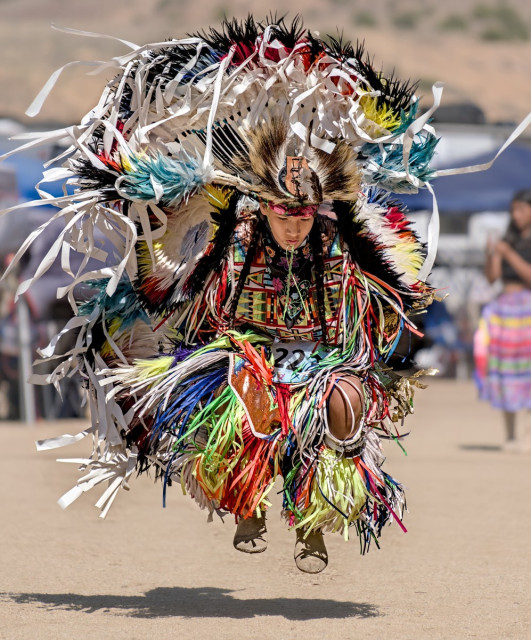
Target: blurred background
481,50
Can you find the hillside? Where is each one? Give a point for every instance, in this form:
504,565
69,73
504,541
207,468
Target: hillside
480,50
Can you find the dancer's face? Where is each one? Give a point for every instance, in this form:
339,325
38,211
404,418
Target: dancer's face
289,231
521,214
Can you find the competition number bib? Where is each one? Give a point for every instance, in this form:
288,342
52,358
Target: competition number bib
294,360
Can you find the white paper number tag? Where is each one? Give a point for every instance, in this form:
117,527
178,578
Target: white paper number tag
294,360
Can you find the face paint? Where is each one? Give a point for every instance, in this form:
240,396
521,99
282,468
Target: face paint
306,211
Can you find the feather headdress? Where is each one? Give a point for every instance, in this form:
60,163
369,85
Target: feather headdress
189,133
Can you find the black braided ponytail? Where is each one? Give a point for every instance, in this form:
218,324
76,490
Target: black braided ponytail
316,243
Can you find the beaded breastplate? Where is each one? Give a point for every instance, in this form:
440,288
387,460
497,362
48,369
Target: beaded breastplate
280,292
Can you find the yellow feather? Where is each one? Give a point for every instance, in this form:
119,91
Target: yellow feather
144,256
115,324
153,367
218,196
124,161
383,116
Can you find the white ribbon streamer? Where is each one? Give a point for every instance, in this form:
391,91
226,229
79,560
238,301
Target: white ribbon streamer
434,224
433,238
486,165
43,94
61,441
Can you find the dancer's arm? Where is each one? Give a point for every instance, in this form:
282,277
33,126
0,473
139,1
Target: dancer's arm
493,264
521,266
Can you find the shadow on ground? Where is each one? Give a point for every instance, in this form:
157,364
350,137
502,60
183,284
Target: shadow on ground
203,602
481,447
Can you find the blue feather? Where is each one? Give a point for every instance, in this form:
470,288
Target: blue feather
206,60
187,398
123,303
380,166
176,178
406,118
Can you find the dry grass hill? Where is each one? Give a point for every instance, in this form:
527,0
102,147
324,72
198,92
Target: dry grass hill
481,49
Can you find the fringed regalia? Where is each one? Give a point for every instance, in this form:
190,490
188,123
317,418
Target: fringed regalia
207,352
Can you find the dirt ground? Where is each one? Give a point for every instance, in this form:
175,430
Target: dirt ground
462,571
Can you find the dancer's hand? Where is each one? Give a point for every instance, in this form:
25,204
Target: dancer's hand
502,248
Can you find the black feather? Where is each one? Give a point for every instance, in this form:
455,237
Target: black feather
167,64
314,47
243,32
92,178
212,262
246,32
287,34
163,66
385,199
341,49
394,92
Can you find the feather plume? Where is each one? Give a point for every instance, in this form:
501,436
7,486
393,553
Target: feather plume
384,164
164,179
176,252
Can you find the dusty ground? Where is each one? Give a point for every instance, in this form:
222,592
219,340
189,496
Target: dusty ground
462,571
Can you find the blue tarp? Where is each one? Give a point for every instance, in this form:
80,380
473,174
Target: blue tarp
490,190
17,225
29,168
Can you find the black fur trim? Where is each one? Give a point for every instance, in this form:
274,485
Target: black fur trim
212,262
316,243
246,31
256,236
92,178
